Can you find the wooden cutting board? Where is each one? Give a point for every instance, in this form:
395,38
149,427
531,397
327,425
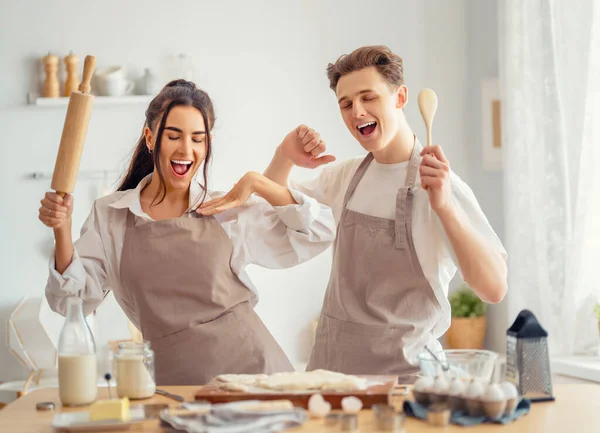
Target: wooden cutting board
376,394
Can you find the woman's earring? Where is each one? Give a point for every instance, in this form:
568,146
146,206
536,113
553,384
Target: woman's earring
150,151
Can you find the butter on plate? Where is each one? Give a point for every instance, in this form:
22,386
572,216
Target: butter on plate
114,409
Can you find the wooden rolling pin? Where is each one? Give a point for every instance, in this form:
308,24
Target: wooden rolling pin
74,132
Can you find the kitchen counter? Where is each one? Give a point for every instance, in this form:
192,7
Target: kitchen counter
573,411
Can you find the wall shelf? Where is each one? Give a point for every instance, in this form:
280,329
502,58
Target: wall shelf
81,175
34,99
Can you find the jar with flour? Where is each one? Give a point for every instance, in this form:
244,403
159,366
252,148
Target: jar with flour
134,365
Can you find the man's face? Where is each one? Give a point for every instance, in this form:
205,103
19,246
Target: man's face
369,107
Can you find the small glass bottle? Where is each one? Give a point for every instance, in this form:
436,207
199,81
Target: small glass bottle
187,67
149,83
135,370
77,361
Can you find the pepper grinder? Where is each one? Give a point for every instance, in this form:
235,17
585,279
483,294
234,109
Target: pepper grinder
51,86
72,81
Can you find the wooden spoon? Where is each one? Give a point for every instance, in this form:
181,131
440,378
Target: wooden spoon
428,103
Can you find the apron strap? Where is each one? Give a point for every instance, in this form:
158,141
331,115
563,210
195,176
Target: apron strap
404,198
360,172
413,165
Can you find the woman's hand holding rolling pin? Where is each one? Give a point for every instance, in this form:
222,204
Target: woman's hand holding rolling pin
56,211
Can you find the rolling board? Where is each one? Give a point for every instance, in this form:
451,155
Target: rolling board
375,394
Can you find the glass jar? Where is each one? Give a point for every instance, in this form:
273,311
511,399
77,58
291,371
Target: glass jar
77,362
134,366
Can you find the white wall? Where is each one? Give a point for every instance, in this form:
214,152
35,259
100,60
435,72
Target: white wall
263,63
482,58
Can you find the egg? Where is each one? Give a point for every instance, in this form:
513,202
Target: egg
494,393
317,406
315,399
440,386
321,411
510,390
351,404
457,387
424,384
475,389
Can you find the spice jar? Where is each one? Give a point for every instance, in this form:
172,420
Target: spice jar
135,370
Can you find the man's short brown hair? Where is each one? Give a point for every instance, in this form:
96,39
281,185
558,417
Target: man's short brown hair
388,64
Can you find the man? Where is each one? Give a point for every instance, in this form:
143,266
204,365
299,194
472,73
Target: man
405,222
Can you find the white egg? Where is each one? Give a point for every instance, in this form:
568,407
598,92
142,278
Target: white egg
457,387
315,401
321,411
510,390
440,385
351,404
424,384
317,406
475,389
494,393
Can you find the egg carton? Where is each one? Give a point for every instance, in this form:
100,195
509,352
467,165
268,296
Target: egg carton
474,397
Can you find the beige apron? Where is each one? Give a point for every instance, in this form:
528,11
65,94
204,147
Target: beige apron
379,309
191,306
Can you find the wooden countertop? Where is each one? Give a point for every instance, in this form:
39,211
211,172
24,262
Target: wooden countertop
573,411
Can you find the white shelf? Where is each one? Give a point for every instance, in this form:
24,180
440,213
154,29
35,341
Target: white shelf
580,367
39,101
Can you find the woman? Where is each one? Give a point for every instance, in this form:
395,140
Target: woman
175,269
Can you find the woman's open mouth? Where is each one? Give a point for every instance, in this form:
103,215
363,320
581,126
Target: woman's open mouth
181,167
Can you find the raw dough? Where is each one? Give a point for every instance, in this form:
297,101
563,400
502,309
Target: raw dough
321,380
246,379
234,386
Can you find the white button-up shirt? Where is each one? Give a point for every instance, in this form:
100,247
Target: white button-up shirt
272,237
376,194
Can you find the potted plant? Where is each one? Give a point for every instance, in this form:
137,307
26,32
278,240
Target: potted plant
597,311
467,329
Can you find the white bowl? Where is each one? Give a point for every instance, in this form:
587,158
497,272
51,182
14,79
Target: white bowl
466,363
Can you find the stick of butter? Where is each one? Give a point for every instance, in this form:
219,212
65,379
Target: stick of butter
115,409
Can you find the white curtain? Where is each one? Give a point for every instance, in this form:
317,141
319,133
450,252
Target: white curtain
550,88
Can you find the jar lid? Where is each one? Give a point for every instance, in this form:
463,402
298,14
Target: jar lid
44,406
129,345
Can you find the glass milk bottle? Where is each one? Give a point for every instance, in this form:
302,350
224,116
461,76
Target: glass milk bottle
135,370
77,363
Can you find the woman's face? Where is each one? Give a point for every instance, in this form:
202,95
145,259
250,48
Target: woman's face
183,146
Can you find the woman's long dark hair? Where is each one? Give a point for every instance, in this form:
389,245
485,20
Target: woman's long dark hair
175,93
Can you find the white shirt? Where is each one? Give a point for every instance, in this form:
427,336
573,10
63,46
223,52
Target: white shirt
375,195
272,237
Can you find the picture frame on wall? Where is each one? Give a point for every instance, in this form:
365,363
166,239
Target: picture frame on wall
491,125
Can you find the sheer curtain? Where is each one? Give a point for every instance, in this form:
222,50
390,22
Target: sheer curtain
550,86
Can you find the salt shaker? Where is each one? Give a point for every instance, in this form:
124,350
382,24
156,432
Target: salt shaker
72,81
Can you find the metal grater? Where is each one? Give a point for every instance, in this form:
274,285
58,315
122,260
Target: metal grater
528,359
